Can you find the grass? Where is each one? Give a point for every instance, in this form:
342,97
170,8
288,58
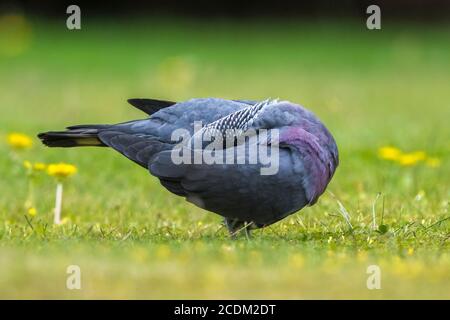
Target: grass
133,239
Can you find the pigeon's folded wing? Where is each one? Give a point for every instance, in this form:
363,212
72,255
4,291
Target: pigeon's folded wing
234,190
138,148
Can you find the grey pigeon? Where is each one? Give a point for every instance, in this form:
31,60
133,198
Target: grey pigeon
247,199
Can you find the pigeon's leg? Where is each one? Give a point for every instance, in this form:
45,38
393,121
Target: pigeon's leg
247,230
235,226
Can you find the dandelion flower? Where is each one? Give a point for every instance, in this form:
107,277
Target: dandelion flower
39,166
389,153
27,165
65,220
61,170
433,162
19,141
410,159
32,211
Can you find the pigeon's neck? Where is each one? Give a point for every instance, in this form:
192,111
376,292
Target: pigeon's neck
316,160
304,142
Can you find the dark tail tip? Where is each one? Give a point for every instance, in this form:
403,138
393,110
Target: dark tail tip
70,138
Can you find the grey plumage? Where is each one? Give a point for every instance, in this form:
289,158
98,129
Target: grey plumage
241,119
308,155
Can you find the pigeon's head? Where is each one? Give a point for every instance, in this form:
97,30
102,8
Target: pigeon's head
306,134
298,123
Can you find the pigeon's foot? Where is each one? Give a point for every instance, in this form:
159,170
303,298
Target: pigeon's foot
236,227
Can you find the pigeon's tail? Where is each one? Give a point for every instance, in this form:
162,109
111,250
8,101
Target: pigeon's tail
76,136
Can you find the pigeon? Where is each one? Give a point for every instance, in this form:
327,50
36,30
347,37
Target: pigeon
305,154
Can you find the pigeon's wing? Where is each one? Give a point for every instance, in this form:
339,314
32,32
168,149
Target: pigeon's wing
232,190
218,188
139,140
138,148
241,119
150,106
236,124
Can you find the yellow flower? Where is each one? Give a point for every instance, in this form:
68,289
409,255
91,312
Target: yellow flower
39,166
433,162
389,153
27,164
65,220
61,170
32,211
19,141
410,159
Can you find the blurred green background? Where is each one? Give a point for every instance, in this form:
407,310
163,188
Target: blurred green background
133,239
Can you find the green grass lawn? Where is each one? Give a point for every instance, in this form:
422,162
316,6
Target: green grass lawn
133,239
